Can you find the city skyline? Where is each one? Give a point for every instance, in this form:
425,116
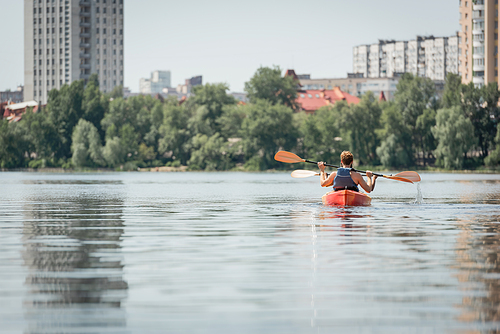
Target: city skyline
227,43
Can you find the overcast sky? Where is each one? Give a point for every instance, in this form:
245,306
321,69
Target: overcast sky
227,40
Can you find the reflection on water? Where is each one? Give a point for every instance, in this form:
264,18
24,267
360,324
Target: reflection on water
478,248
246,253
72,251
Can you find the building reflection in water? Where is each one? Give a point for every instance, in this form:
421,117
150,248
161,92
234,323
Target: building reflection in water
73,255
478,247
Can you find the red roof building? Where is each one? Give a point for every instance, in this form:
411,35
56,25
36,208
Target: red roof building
14,112
312,100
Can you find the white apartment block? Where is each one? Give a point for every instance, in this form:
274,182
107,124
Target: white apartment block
67,40
360,60
431,57
156,84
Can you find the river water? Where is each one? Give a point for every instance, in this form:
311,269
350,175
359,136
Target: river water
246,253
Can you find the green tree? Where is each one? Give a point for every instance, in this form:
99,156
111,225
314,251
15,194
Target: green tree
494,157
86,145
424,125
230,121
452,131
117,92
129,140
268,84
413,97
321,133
267,129
42,136
209,153
64,110
395,149
94,104
175,136
452,95
211,100
113,152
359,128
13,145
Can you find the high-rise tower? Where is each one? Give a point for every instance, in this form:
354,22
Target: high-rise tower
67,40
479,40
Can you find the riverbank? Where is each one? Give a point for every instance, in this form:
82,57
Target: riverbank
186,169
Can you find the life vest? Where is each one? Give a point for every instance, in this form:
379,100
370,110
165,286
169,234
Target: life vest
343,180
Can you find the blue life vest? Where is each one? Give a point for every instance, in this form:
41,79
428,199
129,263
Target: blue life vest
343,180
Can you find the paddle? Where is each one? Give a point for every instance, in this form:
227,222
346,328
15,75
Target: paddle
289,157
301,173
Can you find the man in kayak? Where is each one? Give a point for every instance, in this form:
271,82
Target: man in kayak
345,177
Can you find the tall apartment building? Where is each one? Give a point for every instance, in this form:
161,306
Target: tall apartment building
155,85
67,40
431,57
479,37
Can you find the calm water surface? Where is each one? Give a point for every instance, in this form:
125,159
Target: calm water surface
246,253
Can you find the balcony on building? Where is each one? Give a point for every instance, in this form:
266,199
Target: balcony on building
478,68
478,5
478,14
478,81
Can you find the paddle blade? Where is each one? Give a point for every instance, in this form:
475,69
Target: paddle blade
287,157
300,173
413,176
402,179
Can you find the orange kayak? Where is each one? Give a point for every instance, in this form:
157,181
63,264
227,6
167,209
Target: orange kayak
346,198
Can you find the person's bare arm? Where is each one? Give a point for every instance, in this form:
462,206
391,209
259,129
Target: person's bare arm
324,180
367,186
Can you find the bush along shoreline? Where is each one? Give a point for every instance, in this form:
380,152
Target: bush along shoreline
83,129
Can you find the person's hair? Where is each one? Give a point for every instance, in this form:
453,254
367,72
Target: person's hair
346,158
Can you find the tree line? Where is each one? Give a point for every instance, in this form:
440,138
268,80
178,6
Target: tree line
81,127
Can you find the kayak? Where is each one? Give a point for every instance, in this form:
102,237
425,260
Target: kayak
346,198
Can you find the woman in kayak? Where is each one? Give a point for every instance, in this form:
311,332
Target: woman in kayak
345,177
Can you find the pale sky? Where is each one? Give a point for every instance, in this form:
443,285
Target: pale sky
227,40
